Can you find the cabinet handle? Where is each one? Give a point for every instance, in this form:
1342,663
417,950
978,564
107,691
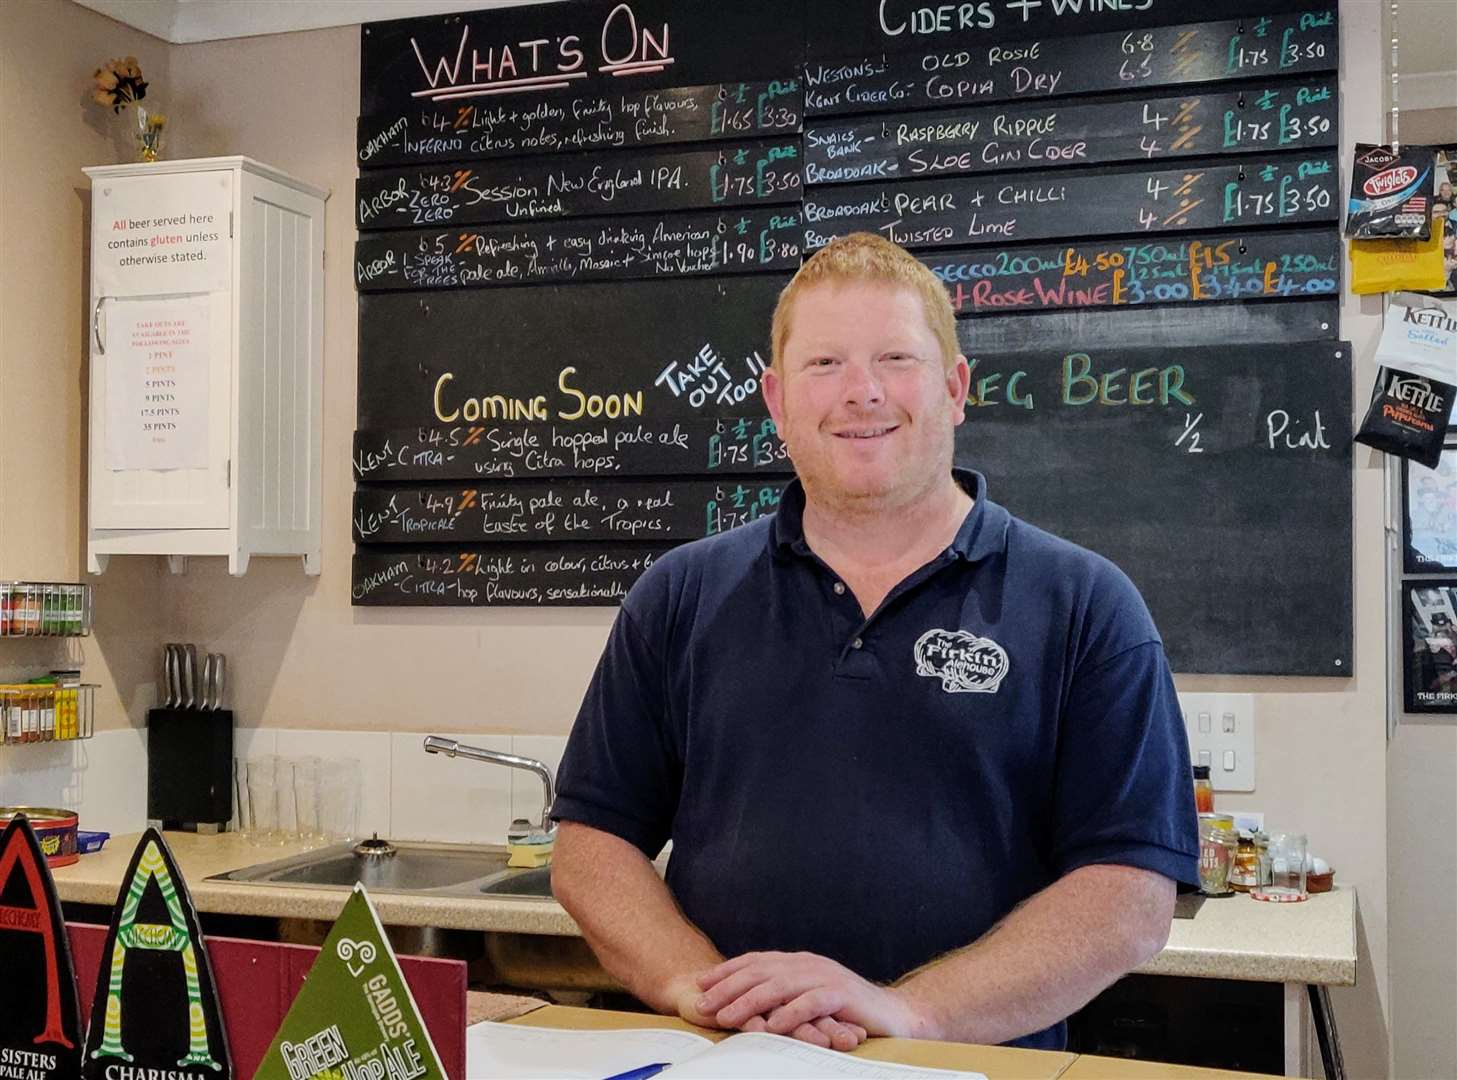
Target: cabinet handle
96,326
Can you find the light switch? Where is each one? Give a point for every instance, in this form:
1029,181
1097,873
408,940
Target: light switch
1215,724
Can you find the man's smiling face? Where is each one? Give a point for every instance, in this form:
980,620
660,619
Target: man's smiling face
865,402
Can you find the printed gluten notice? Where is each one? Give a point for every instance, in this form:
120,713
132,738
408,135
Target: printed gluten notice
157,384
164,234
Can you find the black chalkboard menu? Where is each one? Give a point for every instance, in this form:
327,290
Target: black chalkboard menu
575,219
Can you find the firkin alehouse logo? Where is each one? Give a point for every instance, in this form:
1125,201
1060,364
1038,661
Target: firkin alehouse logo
965,663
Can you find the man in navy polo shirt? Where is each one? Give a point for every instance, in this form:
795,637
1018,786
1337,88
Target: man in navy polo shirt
922,763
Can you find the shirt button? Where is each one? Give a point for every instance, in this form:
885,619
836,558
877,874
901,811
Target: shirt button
857,643
839,588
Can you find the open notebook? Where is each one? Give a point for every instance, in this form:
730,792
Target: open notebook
516,1052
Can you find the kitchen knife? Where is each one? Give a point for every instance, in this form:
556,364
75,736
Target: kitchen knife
189,676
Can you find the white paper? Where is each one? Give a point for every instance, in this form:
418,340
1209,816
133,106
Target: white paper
519,1052
157,383
759,1054
162,234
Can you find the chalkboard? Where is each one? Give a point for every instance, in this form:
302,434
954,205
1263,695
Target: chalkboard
582,249
1217,477
598,121
1127,209
693,447
1254,265
1154,325
1180,55
735,174
549,575
1279,190
569,354
549,510
1258,118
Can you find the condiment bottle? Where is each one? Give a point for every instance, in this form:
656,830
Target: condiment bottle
1244,875
1203,790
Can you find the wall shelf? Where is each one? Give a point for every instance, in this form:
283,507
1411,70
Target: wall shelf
44,609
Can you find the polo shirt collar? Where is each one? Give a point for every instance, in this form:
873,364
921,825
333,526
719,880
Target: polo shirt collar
982,534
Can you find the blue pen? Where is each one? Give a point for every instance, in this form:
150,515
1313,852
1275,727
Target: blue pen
642,1073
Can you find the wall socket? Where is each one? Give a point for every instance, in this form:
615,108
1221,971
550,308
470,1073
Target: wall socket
1221,731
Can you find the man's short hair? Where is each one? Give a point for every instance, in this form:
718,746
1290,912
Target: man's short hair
864,256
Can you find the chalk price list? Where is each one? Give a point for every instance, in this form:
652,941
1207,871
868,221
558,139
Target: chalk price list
578,574
692,446
454,132
1293,44
696,242
570,510
942,213
480,193
1214,266
968,141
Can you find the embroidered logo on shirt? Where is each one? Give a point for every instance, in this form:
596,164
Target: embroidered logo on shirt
965,663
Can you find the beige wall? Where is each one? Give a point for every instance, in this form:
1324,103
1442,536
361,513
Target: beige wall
49,129
301,656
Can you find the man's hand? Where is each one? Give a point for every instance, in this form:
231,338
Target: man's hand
807,996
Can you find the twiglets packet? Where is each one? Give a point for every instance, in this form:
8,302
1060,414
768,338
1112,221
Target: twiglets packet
1411,405
1391,192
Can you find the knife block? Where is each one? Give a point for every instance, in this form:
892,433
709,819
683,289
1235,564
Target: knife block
190,766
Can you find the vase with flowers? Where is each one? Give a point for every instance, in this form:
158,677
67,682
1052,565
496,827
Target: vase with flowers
118,85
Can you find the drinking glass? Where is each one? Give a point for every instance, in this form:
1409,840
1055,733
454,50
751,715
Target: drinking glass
1287,869
306,800
263,800
242,822
339,799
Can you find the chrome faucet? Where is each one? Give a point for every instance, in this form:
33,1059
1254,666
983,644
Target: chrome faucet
435,744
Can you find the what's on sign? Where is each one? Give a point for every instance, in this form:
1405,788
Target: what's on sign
152,235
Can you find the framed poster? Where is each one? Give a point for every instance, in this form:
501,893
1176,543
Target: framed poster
1429,620
1429,513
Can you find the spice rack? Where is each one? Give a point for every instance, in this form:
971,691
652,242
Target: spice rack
44,609
46,712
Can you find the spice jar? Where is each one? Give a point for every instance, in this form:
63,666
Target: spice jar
1251,855
1203,790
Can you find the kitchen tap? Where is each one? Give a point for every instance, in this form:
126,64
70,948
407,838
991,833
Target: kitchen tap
436,744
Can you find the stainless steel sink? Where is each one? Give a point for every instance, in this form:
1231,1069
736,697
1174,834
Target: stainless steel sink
411,868
534,883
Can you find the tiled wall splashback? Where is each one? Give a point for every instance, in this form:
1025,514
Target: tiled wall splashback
411,795
104,779
406,793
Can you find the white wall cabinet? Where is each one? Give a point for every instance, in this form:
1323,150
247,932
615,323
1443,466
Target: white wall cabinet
207,333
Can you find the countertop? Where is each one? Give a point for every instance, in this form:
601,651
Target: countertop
1230,938
1001,1062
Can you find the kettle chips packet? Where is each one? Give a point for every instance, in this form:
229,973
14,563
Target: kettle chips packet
1411,405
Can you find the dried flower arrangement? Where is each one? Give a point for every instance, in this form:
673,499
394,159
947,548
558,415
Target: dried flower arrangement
118,84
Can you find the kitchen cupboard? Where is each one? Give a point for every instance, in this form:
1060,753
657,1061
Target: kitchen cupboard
206,375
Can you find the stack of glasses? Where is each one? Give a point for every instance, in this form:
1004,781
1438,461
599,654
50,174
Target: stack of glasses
297,800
